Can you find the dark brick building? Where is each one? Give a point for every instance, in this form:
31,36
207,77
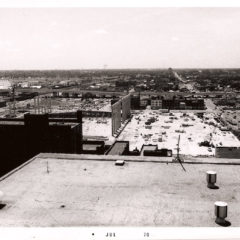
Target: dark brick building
21,139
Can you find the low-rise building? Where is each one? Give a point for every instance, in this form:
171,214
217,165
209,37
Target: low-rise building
227,152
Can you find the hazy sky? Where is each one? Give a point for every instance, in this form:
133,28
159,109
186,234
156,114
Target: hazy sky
81,38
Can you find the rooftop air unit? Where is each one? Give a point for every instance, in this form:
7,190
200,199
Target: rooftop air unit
119,162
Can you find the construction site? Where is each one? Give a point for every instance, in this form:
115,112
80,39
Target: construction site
111,119
49,104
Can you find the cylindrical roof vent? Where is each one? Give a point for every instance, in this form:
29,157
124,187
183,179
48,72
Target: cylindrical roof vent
1,196
211,179
220,212
2,205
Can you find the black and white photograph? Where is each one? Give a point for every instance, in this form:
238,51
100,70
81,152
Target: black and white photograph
120,117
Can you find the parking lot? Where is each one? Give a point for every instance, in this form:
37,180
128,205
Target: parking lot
163,129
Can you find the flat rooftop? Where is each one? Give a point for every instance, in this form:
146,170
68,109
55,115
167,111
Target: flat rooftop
92,147
167,127
87,190
52,123
3,123
98,128
149,147
72,124
118,148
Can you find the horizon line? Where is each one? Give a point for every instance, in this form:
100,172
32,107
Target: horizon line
109,69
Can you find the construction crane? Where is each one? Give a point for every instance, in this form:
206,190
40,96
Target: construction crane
178,155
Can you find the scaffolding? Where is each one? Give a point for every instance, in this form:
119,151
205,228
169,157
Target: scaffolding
42,104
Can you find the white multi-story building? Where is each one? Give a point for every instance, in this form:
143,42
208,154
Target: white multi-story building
143,102
5,84
156,103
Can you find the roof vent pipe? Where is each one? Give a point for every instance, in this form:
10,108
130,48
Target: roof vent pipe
1,196
220,212
2,205
211,179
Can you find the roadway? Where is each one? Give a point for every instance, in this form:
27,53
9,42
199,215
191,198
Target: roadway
44,91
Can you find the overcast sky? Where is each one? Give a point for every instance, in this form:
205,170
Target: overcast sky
119,38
